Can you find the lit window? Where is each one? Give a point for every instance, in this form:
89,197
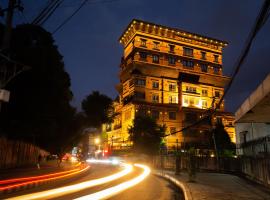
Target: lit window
171,60
172,99
172,87
204,93
172,115
155,98
204,68
191,101
215,58
191,89
143,42
143,55
203,54
155,85
204,104
140,82
156,45
171,48
188,51
188,63
155,59
186,100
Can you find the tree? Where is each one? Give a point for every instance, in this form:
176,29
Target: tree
222,140
39,110
98,109
146,135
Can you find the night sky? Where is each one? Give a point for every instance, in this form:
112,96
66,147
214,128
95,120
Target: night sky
89,41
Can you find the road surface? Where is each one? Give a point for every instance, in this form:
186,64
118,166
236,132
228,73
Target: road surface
151,188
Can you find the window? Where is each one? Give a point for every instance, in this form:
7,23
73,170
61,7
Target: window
140,95
204,93
143,42
216,69
217,94
204,104
155,114
215,58
140,82
191,89
172,99
172,87
186,100
172,115
143,55
171,48
188,63
155,85
155,98
204,68
191,101
171,60
173,130
155,59
203,54
188,51
156,45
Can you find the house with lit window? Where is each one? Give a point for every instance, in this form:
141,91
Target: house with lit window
173,75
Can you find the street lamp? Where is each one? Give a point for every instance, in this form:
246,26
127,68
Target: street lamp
97,141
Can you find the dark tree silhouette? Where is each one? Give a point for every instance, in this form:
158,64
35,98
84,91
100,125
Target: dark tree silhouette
222,139
39,110
146,135
98,109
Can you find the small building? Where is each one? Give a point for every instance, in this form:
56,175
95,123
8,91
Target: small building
253,122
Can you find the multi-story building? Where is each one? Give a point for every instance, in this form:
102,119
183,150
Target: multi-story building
173,75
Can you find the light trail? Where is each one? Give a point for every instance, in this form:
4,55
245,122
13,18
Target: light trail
104,194
8,181
76,187
43,180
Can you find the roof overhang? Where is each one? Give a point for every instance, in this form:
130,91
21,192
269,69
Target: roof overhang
256,108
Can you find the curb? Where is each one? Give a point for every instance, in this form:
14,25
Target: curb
178,183
40,182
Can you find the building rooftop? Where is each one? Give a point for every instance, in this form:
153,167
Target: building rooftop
177,31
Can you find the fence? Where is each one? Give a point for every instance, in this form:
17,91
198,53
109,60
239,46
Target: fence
202,163
17,153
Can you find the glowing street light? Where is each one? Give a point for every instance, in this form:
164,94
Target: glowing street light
97,141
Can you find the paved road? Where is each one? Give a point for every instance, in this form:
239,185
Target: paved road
151,188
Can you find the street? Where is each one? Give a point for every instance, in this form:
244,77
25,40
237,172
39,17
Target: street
152,187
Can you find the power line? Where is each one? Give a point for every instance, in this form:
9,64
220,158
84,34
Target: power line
78,9
44,15
70,17
260,21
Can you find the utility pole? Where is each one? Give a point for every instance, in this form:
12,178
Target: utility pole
5,49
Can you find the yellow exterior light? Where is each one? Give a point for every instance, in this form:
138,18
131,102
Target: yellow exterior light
134,22
97,141
141,23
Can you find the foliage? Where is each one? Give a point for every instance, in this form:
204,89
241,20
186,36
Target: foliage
222,140
98,109
39,110
146,135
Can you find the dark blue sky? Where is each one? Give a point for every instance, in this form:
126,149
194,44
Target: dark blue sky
89,42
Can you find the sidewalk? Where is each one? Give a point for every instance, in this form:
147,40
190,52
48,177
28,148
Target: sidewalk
215,186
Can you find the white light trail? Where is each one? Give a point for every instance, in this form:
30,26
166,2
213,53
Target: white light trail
76,187
104,194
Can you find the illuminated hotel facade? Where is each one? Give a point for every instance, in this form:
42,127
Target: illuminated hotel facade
175,77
